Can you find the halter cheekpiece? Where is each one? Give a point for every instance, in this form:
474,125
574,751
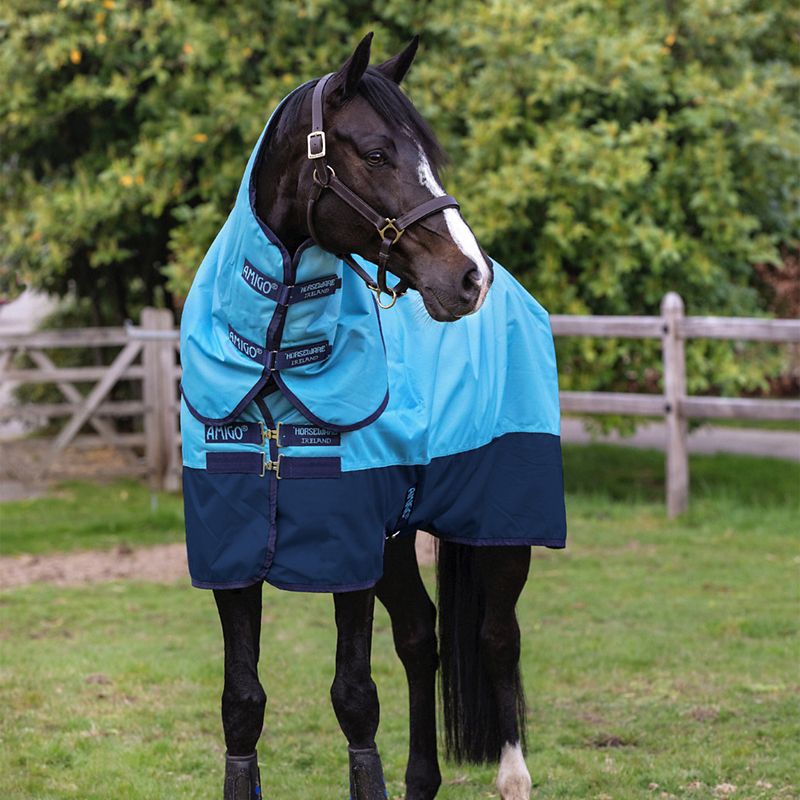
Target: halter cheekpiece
389,229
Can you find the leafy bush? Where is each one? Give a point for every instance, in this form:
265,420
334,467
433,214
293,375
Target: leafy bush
605,152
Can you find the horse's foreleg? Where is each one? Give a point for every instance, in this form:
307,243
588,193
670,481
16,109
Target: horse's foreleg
503,572
354,695
413,617
243,697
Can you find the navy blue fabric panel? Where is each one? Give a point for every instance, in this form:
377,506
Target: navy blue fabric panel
330,533
227,527
511,490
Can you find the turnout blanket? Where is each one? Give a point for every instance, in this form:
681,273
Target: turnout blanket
315,424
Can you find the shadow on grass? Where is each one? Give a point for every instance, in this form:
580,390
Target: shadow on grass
625,474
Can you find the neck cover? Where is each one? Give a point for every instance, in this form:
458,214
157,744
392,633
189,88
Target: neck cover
254,313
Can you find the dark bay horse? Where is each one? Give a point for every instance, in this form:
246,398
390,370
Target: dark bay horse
336,150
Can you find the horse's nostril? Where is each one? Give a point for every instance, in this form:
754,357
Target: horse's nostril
471,280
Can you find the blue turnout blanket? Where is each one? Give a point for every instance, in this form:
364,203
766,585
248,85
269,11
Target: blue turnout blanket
315,425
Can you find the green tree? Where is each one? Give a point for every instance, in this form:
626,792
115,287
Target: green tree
605,151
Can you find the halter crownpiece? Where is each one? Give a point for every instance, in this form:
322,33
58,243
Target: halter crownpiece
389,229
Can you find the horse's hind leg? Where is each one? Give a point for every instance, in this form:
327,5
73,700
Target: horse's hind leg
413,616
354,695
503,572
243,697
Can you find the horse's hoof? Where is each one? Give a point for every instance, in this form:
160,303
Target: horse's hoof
366,775
242,778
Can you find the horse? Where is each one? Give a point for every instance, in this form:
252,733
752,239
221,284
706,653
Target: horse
329,411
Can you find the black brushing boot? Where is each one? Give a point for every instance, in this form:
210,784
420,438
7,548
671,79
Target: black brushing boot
366,775
242,778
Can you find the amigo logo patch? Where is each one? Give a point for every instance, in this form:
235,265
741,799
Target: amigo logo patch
245,346
236,432
262,283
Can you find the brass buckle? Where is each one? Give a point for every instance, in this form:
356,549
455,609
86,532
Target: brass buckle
390,225
378,292
272,466
318,135
271,433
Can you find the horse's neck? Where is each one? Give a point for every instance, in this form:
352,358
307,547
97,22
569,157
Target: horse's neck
277,201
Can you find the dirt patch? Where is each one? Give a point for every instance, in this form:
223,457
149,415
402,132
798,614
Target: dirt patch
160,564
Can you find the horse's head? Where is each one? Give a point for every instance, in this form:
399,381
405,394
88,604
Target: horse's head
379,147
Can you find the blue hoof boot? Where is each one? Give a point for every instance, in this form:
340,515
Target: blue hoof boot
242,778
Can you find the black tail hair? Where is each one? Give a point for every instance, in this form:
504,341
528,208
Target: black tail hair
471,720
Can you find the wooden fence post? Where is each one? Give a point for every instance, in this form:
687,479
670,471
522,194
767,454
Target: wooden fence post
160,425
168,400
677,445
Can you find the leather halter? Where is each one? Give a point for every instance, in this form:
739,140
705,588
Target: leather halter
389,229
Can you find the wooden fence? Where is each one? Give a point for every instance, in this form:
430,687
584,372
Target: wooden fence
675,405
147,358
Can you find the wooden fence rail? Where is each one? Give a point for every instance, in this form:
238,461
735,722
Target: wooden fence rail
147,357
673,328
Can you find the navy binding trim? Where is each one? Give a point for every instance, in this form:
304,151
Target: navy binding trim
284,294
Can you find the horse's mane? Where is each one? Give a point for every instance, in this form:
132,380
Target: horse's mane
383,95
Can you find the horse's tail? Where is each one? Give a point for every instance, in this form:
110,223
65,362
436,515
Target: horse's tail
471,718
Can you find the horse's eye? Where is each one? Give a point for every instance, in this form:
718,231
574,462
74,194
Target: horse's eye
374,158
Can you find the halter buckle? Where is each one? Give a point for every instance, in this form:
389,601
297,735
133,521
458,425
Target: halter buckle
390,226
319,136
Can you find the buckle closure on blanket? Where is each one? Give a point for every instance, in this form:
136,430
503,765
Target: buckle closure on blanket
271,466
270,433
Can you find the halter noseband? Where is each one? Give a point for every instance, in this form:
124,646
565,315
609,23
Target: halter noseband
389,229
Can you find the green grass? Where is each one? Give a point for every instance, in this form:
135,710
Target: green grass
654,651
81,516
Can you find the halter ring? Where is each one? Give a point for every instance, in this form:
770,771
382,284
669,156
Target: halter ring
390,226
378,292
315,176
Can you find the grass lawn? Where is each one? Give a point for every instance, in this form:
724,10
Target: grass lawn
660,657
83,516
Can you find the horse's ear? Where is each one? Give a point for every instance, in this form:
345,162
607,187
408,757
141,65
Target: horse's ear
343,83
396,67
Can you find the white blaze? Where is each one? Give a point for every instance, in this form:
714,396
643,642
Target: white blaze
513,778
463,237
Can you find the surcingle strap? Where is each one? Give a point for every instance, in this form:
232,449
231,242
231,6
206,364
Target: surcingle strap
233,463
285,295
280,359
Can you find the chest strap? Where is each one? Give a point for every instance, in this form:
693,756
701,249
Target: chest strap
282,466
284,294
275,360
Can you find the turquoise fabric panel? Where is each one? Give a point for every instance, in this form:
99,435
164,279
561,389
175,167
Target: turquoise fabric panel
453,386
